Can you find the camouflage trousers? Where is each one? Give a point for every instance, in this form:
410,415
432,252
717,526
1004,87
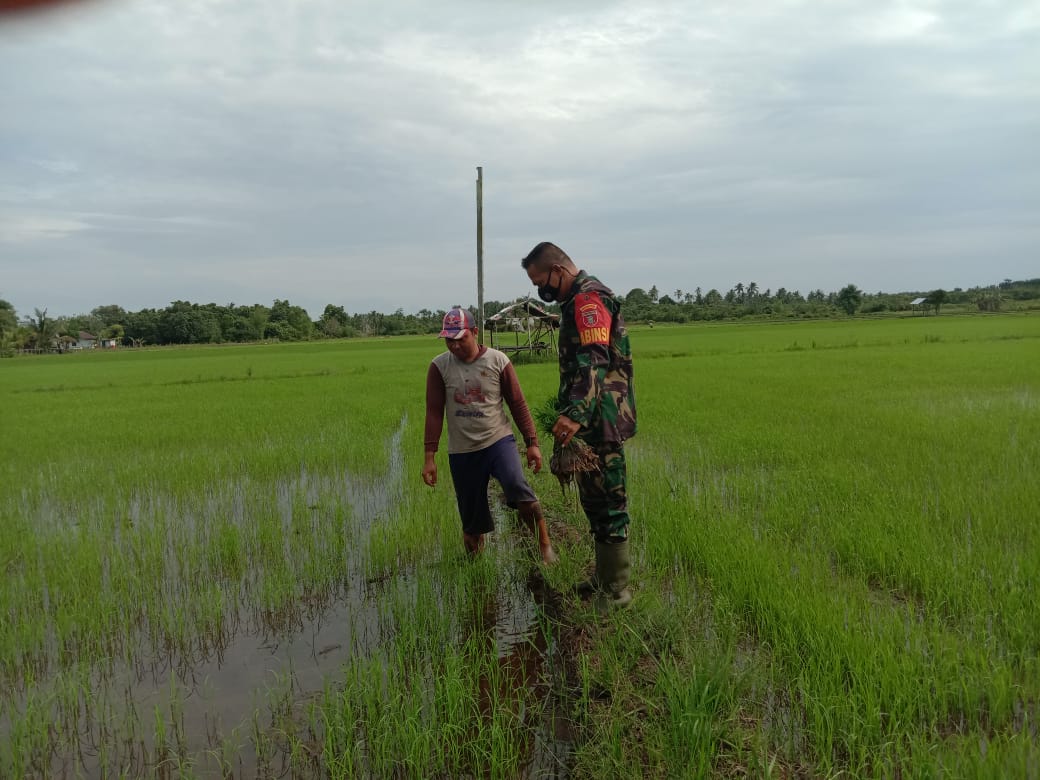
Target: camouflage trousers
603,494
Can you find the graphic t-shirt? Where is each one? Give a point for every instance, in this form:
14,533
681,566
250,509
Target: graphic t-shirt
473,400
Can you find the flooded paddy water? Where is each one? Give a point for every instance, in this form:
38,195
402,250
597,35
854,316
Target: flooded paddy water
252,695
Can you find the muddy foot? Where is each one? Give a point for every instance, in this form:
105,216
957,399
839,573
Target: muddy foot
474,542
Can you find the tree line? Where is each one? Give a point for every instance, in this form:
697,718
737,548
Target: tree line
748,300
183,322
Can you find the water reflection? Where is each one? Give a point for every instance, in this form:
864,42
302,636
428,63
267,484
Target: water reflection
513,625
217,701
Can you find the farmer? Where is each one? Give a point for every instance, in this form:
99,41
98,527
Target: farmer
470,382
596,403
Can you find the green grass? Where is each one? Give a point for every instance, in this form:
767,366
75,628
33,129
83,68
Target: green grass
835,557
864,510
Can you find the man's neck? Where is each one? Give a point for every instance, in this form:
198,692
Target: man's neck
481,349
572,288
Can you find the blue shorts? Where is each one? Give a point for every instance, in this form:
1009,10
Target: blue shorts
472,471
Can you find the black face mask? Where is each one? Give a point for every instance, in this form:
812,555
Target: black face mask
548,292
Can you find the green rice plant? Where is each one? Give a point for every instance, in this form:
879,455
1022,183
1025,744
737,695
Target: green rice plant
834,556
569,459
160,741
812,503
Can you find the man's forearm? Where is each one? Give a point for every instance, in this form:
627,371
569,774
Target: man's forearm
435,400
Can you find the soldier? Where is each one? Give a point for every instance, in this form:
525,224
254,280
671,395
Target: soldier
470,382
596,403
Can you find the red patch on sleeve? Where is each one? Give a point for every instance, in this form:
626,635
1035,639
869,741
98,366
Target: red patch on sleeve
592,319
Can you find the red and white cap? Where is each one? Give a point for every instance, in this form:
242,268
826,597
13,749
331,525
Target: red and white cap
456,322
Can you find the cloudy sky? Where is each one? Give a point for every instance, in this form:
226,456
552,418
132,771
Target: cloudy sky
325,151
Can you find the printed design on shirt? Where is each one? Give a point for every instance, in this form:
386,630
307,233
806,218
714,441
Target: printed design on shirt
592,319
469,394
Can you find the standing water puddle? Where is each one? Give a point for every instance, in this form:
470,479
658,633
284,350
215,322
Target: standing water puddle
217,702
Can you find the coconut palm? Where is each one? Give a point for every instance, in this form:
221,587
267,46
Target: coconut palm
43,328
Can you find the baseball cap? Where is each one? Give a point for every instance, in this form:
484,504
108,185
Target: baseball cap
456,322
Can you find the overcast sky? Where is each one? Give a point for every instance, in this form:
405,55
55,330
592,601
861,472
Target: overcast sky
325,151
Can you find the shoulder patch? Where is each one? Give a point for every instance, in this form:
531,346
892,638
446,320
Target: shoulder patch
592,318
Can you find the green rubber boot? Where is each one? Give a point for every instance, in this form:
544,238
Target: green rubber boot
613,567
591,586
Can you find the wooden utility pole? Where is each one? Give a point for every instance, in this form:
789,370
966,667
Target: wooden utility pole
480,253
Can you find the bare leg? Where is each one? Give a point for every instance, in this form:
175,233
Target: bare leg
531,514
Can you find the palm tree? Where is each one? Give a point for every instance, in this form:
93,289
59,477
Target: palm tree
44,329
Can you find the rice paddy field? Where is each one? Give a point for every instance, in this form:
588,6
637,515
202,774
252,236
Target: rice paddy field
222,562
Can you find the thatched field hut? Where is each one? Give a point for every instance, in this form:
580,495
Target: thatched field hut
523,327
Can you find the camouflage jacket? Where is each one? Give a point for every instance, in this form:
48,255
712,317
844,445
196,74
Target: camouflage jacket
596,363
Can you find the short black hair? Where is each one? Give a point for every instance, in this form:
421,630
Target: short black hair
545,251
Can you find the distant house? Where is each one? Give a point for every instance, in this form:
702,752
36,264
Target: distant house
919,304
86,340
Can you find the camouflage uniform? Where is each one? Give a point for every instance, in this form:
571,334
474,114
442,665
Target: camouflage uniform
596,392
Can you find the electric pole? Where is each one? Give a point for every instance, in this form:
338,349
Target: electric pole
480,253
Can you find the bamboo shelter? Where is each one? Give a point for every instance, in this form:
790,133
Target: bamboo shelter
533,329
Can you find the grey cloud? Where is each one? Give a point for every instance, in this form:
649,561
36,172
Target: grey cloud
207,152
